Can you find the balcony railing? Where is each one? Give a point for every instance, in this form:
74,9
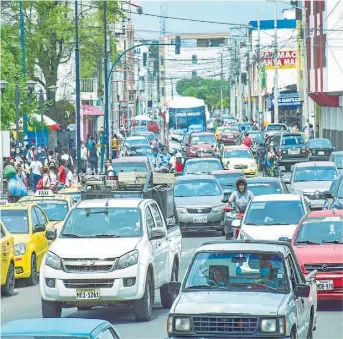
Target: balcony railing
88,85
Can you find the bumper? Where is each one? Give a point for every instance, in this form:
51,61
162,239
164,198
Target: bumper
290,160
197,221
330,295
228,337
110,285
196,227
22,266
319,157
250,173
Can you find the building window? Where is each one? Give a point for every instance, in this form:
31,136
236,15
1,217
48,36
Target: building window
162,91
217,42
162,60
194,74
194,59
163,75
203,43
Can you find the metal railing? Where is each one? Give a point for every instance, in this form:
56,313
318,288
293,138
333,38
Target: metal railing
88,85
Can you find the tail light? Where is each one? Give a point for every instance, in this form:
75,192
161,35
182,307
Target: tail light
308,151
237,233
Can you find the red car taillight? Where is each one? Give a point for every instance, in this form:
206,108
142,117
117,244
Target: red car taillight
237,233
308,152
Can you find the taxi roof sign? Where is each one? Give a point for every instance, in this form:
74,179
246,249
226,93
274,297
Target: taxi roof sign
44,193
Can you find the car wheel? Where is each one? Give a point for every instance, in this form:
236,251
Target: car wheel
51,309
143,307
293,334
8,288
33,279
168,298
310,329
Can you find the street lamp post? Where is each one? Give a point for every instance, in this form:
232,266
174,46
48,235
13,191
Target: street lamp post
3,85
17,98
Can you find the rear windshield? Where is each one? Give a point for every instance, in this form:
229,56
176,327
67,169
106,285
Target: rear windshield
338,159
293,140
228,179
320,143
128,166
203,139
197,188
315,173
138,141
275,127
237,153
202,166
15,221
265,188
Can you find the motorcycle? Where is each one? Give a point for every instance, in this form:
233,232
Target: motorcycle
232,222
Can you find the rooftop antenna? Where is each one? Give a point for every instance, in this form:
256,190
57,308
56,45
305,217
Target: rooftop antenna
163,19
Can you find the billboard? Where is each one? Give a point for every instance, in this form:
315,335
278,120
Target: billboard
286,59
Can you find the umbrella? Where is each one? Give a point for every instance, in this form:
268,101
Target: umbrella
142,118
51,124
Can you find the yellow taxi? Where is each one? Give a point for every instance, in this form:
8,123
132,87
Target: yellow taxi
55,206
74,191
7,261
240,158
28,224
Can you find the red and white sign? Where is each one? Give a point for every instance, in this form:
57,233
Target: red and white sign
286,59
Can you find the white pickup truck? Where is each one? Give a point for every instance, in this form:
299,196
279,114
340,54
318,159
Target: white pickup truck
111,251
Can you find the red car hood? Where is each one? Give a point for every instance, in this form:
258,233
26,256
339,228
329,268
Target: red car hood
203,146
317,254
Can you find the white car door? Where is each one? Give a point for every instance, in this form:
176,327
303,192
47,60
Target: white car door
162,244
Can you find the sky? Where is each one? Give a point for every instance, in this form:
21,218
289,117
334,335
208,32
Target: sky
237,12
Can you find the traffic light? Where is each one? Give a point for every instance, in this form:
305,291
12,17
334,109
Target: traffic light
177,44
145,56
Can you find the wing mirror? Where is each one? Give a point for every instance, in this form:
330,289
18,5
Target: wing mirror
327,195
225,200
302,291
287,181
39,228
286,239
51,234
157,234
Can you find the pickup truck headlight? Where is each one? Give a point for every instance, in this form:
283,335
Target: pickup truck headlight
182,324
20,249
181,210
268,325
54,261
217,209
128,259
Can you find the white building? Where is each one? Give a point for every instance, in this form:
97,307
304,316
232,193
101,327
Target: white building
202,55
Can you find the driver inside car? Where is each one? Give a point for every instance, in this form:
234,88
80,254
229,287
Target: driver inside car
266,271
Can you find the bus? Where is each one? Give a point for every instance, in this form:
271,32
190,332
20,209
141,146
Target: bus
187,114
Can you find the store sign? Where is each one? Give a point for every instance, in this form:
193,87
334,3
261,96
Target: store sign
286,59
289,99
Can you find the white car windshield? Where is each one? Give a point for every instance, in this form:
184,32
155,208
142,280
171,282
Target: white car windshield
202,166
197,188
262,213
237,153
315,173
248,272
103,222
321,231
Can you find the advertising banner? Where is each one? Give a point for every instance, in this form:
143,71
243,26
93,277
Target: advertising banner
286,59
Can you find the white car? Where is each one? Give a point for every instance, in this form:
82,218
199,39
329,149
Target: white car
111,251
272,216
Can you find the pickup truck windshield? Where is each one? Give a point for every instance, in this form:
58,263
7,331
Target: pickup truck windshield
56,210
321,231
129,166
246,272
16,222
315,173
103,222
197,188
274,213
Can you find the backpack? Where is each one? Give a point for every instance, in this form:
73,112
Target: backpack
39,184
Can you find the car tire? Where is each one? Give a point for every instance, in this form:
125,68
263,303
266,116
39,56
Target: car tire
168,298
142,308
310,329
33,279
293,334
8,288
51,309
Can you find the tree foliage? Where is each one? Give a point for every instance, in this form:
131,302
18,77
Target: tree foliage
206,89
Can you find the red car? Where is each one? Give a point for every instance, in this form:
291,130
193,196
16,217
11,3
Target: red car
318,244
202,144
153,126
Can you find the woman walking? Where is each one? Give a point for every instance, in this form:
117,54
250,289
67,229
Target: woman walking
93,158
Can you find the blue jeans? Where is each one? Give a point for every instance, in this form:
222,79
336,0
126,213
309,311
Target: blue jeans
36,178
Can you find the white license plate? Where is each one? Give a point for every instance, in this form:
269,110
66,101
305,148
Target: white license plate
320,153
294,151
317,204
88,294
200,219
325,285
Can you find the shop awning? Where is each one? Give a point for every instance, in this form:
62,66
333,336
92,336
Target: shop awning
324,99
88,110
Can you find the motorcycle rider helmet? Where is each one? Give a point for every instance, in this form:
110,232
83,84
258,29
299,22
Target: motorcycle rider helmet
241,180
178,155
246,134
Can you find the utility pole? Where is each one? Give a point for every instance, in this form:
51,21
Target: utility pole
158,88
17,100
249,106
239,84
305,70
221,84
276,75
77,74
172,88
259,75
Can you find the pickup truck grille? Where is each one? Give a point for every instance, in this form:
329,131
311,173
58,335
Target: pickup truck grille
88,265
94,283
225,325
324,267
241,166
199,210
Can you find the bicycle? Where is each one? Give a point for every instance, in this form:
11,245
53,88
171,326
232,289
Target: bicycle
273,170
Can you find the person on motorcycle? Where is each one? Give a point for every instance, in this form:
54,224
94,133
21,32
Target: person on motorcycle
163,158
220,145
247,140
178,163
240,198
271,159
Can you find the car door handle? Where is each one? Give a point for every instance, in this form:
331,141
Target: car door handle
159,244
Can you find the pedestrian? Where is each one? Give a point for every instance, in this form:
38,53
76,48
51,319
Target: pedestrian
36,169
53,174
62,174
46,178
66,157
84,152
89,142
93,158
22,174
247,140
69,177
109,171
114,146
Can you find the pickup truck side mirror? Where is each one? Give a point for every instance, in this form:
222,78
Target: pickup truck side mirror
174,287
51,234
287,181
302,291
157,234
286,239
327,195
225,200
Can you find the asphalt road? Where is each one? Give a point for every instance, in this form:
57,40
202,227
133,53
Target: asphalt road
26,304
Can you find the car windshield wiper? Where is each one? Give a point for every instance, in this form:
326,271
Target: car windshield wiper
71,235
205,286
88,213
252,224
332,242
278,223
308,242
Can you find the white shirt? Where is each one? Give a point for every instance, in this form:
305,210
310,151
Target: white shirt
66,157
69,178
53,178
36,166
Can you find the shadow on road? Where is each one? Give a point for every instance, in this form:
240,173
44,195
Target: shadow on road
116,315
330,306
200,234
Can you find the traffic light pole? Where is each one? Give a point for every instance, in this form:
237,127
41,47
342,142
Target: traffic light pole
107,80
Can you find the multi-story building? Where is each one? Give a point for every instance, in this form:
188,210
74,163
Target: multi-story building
325,67
202,55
